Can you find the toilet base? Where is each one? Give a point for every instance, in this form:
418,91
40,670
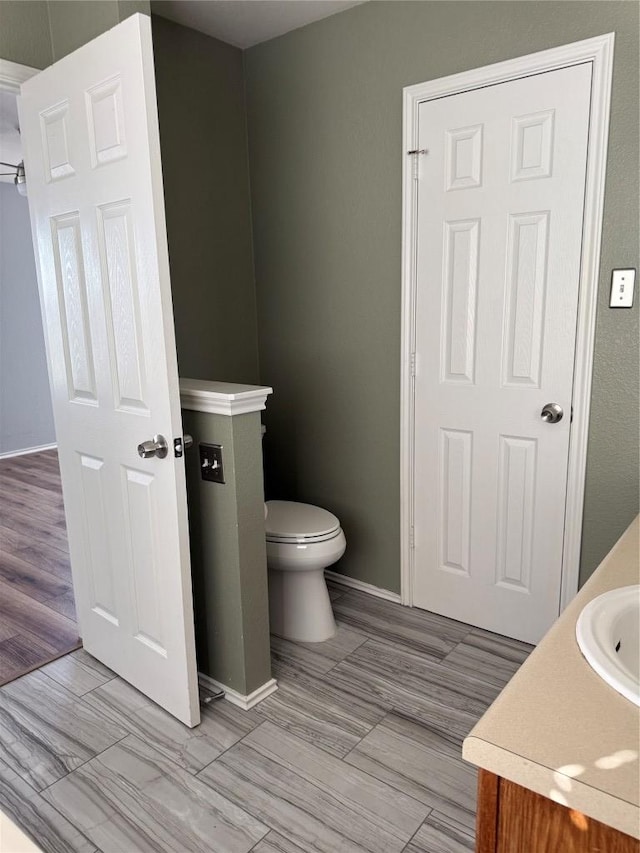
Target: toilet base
299,606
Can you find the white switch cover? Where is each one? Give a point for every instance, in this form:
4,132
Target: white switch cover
622,282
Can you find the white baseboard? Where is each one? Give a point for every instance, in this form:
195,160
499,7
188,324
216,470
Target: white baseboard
369,588
27,450
239,699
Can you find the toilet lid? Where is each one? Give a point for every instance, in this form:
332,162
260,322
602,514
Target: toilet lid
287,519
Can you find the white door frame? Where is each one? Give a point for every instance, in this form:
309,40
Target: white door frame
12,75
599,52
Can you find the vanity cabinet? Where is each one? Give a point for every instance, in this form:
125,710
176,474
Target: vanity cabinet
558,734
513,819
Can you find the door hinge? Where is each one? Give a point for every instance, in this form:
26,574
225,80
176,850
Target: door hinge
412,538
412,363
415,164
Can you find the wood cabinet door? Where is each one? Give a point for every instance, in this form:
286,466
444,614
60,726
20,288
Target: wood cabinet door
513,819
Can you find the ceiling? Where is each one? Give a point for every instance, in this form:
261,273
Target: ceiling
247,22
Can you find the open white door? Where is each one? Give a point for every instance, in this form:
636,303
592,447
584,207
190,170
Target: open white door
90,131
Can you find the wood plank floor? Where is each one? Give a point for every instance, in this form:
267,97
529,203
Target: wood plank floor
358,751
37,614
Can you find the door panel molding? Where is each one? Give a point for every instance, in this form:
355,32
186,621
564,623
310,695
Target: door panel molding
598,52
92,154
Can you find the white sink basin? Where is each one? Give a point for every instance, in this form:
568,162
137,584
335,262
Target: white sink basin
608,633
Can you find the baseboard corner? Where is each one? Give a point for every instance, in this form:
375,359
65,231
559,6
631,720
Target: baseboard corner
241,700
361,586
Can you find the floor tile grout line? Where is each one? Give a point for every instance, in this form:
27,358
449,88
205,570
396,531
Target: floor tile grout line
246,806
442,664
320,720
241,740
398,712
480,678
392,786
373,602
395,708
452,688
346,657
507,642
260,840
165,758
316,784
84,763
397,789
401,646
363,723
426,818
386,783
80,700
355,746
99,687
77,695
73,825
193,773
438,664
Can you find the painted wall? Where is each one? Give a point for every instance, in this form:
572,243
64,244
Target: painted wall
25,36
75,22
228,552
39,32
205,169
207,206
325,111
26,416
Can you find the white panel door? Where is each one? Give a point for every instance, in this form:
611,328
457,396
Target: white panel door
90,130
500,209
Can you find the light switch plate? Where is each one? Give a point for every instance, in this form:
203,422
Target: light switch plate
211,463
622,284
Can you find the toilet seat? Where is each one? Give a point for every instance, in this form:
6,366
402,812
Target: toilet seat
288,522
303,540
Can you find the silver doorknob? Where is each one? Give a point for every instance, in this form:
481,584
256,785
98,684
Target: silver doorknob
552,413
187,440
156,447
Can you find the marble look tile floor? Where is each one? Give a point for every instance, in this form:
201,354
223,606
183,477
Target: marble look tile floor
357,752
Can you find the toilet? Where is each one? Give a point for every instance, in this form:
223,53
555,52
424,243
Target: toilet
302,541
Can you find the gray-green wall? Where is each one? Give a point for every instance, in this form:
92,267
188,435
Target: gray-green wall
325,112
25,35
203,140
205,170
228,552
38,32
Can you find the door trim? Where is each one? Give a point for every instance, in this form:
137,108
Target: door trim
599,52
12,75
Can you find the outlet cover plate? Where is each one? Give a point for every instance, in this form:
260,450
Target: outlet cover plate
622,286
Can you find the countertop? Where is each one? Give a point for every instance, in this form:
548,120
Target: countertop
558,729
